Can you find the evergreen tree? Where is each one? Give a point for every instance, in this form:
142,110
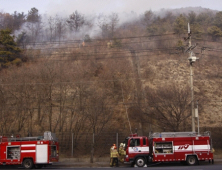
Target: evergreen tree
215,32
75,21
218,20
9,52
33,16
180,25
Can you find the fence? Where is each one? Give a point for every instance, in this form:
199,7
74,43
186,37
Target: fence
98,145
90,145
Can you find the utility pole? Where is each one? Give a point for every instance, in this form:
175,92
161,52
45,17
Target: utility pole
197,116
192,97
192,58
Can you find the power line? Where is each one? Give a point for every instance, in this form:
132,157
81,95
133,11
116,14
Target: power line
110,52
103,45
108,39
104,39
105,58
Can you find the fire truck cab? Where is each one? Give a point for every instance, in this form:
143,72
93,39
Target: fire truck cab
29,151
188,147
137,149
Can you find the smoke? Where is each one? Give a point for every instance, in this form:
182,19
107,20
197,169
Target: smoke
42,31
65,7
94,11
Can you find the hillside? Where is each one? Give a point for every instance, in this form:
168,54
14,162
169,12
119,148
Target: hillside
134,78
146,65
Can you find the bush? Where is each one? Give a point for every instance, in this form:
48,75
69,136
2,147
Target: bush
17,62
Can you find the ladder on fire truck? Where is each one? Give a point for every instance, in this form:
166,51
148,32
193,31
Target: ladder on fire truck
177,134
47,136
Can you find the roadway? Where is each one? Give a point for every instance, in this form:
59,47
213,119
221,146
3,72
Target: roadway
104,165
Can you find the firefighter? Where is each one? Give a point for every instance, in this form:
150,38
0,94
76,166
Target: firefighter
109,44
83,44
114,156
121,152
111,150
112,147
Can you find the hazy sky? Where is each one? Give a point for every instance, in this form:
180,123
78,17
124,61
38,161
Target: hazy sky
102,6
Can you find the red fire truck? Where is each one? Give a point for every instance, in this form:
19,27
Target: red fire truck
29,151
188,147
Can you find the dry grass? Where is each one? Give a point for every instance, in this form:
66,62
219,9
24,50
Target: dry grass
218,154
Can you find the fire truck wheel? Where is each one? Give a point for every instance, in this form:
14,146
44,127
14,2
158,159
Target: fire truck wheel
140,162
27,163
191,160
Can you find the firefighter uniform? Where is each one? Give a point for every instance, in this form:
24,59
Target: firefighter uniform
111,150
114,156
121,153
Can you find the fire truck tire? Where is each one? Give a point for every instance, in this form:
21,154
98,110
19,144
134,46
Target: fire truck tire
191,160
140,162
27,163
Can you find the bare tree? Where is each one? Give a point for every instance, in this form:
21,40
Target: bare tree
6,117
52,27
60,27
114,19
147,18
104,26
98,113
49,76
108,25
169,106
